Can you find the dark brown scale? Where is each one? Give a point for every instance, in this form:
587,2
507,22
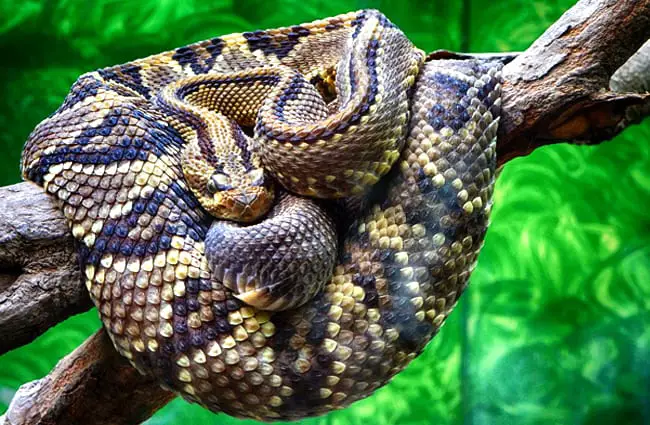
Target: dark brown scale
279,47
127,75
199,63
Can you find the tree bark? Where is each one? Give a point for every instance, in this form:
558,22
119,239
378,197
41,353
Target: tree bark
558,89
91,385
40,281
563,88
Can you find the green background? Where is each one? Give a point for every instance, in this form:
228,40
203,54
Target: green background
554,327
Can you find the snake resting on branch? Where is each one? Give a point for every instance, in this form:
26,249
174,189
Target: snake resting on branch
273,224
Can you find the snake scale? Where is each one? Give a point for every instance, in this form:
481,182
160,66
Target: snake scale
321,98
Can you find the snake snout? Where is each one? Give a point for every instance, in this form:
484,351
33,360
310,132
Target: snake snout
250,204
246,199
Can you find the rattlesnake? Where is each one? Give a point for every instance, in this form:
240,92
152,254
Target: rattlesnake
112,155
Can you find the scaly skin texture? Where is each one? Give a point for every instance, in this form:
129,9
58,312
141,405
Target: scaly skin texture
293,251
114,163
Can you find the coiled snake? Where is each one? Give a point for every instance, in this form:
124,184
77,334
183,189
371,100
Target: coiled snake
334,104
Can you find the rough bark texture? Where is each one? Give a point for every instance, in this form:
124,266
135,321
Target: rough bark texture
91,385
40,282
559,89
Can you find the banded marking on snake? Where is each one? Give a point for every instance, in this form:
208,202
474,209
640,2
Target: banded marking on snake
113,161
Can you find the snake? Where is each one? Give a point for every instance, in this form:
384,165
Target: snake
354,129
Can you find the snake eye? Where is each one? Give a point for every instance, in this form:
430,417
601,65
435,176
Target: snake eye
212,186
256,177
218,182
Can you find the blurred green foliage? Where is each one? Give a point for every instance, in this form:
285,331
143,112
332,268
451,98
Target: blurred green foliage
554,328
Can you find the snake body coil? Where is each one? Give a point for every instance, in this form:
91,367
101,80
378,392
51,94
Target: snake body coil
113,160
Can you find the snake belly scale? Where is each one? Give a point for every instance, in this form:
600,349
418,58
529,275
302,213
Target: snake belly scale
112,159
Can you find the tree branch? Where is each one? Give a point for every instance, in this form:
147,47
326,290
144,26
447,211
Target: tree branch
634,75
558,89
563,88
91,385
40,281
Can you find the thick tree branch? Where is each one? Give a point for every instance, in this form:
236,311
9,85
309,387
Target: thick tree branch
559,89
91,385
40,282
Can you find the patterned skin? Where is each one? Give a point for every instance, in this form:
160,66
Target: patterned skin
113,161
296,246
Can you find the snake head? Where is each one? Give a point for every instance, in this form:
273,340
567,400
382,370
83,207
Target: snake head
226,177
242,196
245,198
